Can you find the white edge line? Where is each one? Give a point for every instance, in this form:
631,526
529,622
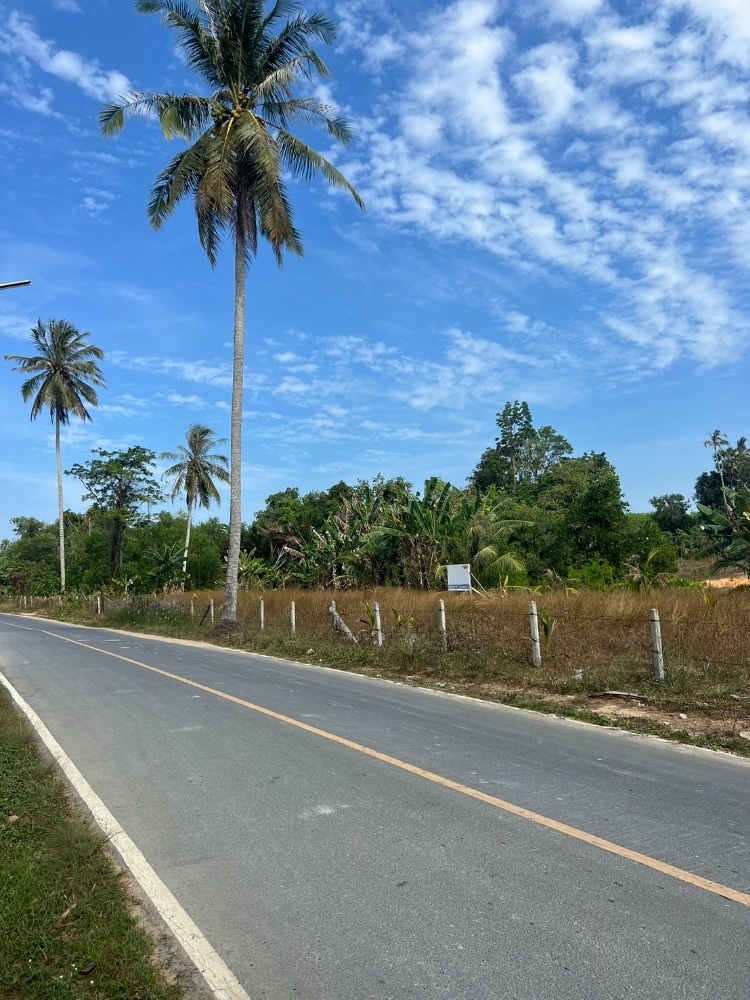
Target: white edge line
218,976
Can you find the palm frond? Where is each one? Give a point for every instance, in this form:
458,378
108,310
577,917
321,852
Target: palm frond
308,111
196,34
184,117
294,40
304,162
180,178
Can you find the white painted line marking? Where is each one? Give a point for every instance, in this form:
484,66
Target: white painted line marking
218,976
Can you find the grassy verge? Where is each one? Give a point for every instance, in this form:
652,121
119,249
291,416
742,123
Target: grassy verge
66,922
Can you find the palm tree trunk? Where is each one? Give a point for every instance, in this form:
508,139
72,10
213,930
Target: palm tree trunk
187,545
229,611
720,469
60,507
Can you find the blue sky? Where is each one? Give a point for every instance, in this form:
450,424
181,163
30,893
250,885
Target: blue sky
557,197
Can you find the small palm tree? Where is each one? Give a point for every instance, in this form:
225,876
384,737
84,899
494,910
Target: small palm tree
63,376
239,148
196,467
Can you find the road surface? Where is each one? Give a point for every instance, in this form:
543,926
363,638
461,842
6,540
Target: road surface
345,838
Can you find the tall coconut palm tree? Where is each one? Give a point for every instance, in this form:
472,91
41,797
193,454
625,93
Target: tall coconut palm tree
195,469
718,442
251,57
63,376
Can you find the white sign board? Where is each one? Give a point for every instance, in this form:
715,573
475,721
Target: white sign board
459,577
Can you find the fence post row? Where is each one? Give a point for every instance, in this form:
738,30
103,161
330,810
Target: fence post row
339,626
657,650
536,649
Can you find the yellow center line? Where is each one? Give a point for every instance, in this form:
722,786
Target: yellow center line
551,824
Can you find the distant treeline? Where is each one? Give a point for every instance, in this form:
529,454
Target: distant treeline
531,514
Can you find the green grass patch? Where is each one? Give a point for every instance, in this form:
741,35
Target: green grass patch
67,925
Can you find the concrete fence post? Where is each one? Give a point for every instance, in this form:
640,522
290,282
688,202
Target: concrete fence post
443,626
536,648
378,628
657,650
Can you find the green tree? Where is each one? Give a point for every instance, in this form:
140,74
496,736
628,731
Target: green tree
195,469
62,378
731,535
731,472
33,556
597,517
475,535
647,547
164,562
522,453
206,563
120,483
579,520
708,490
737,462
421,523
671,512
240,146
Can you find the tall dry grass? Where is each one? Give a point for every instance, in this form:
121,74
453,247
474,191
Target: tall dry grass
706,636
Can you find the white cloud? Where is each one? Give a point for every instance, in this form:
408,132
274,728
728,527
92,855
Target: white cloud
571,11
16,326
94,208
546,79
20,41
657,139
39,102
117,411
188,402
384,48
218,373
729,22
456,68
68,6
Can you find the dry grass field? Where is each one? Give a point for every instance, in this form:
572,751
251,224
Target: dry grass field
591,643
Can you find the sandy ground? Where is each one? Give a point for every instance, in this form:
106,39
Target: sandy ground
739,580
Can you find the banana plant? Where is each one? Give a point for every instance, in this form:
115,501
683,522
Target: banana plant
731,535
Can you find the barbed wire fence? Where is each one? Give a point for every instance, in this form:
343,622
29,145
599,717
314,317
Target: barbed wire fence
539,636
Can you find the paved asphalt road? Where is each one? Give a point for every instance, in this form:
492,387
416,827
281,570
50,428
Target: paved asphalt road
320,872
